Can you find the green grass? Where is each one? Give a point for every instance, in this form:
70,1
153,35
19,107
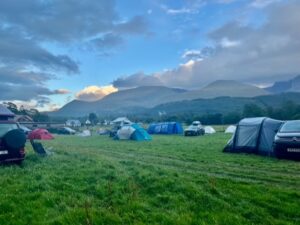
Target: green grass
170,180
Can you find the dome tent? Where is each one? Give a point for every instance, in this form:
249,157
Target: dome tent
209,130
165,128
254,135
132,132
230,129
40,134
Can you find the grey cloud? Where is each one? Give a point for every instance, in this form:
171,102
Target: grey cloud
25,26
59,20
22,92
15,76
69,20
138,79
107,41
18,50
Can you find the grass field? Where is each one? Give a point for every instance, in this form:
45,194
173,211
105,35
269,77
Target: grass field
170,180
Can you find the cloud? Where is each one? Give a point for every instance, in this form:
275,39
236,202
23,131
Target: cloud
241,52
263,3
62,91
226,43
94,93
27,27
138,79
196,54
17,50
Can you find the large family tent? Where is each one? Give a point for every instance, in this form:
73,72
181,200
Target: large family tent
230,129
209,130
165,128
133,132
254,135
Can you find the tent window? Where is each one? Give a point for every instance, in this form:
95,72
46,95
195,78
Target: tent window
247,136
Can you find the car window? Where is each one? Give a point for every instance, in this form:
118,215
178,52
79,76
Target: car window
5,127
291,126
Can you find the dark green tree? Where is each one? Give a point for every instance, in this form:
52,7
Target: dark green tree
93,118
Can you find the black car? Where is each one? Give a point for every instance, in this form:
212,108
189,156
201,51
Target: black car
287,141
12,142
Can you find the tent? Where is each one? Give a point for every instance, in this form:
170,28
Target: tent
230,130
254,135
209,130
122,121
165,128
73,123
133,132
40,134
85,133
102,131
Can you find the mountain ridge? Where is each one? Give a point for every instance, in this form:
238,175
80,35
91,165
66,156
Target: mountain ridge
151,96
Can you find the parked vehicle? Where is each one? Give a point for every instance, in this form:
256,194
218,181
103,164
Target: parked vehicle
12,142
194,129
287,141
66,130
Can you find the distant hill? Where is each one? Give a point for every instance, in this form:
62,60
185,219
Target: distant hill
292,85
123,100
140,99
225,88
224,104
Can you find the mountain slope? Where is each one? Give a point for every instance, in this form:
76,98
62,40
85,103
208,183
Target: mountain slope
124,100
138,99
225,88
292,85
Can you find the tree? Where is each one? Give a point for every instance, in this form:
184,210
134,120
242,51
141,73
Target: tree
93,118
232,118
12,107
253,110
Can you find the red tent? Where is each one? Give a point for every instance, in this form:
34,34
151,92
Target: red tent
40,134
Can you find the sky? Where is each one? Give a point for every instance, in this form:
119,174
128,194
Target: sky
53,51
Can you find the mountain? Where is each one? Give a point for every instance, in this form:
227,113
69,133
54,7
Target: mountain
140,99
225,88
224,104
124,100
292,85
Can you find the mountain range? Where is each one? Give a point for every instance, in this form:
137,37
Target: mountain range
292,85
154,99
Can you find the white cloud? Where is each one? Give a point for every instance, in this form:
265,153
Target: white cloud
191,54
263,3
94,93
226,43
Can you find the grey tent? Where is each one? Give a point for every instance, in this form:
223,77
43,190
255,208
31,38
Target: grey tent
254,135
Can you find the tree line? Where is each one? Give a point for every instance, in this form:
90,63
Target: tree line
33,113
287,111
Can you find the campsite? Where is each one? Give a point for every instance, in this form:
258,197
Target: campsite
126,173
170,180
152,112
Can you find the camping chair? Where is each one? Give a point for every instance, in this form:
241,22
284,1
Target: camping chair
38,148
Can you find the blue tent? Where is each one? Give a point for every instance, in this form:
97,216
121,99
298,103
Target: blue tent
165,128
132,132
